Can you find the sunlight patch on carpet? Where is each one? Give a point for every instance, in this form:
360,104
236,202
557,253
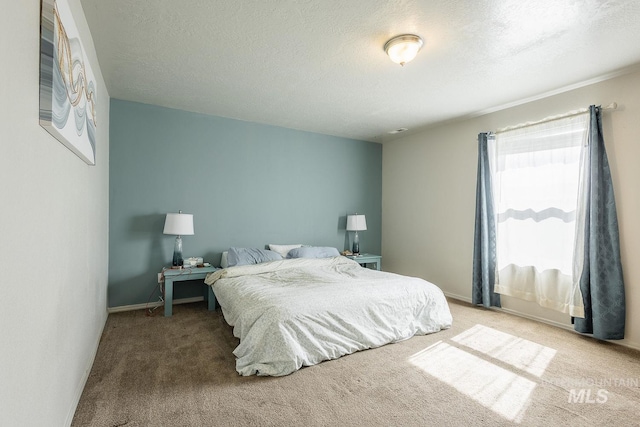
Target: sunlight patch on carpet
515,351
496,388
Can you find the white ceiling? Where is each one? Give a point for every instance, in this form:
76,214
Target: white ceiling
319,65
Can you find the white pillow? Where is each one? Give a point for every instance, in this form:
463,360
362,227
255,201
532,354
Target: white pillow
224,263
283,249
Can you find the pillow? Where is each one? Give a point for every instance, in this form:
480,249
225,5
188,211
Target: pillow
224,262
247,256
313,252
283,249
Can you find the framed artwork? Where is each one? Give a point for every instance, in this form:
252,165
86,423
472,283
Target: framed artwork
67,84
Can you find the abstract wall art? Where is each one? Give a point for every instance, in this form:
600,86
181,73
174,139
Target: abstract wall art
67,84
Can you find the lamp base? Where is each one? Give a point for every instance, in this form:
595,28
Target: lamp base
177,253
356,245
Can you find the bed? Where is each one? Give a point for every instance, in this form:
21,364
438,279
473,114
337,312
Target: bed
291,313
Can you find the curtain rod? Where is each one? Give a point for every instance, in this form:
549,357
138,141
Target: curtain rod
611,106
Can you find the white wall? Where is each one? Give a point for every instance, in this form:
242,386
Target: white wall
429,183
54,230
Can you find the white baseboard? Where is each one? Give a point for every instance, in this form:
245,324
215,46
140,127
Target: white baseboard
152,304
536,318
92,358
85,376
632,345
628,344
458,297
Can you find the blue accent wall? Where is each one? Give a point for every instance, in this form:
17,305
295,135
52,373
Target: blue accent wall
246,184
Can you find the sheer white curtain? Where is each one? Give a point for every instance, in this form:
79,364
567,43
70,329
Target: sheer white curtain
538,175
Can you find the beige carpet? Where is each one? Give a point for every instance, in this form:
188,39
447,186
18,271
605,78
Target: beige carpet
490,368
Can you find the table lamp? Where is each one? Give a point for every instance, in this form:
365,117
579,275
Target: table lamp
178,224
356,223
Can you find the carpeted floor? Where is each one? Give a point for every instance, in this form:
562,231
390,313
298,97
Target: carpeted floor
490,368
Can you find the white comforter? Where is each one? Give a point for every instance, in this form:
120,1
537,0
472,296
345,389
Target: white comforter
299,312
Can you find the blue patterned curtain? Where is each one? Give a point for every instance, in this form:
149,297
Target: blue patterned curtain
601,282
484,244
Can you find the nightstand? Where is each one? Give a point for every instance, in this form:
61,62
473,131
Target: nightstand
364,259
181,275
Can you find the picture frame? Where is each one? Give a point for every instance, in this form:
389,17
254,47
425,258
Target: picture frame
68,93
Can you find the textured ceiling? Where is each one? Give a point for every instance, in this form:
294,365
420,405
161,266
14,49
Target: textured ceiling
319,65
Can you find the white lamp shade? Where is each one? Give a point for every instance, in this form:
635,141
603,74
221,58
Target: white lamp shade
179,224
356,222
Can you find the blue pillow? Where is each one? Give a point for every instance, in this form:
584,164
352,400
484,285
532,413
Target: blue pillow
248,256
313,252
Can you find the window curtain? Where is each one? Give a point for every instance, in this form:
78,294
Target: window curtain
601,283
537,173
484,243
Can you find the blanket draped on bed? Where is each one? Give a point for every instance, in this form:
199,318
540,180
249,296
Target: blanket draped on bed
299,312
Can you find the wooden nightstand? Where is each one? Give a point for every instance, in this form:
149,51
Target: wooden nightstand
180,275
364,259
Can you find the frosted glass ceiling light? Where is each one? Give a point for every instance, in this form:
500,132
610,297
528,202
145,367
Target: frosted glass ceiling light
402,49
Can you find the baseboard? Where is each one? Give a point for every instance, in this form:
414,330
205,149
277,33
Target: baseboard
152,304
90,360
458,297
85,376
462,298
632,345
536,318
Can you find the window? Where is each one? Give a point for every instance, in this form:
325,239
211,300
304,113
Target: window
546,227
537,175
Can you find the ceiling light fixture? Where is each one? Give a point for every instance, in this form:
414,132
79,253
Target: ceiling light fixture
403,48
397,130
